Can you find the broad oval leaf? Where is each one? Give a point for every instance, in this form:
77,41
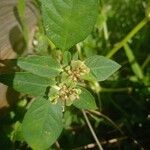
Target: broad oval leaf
67,22
26,82
86,100
101,67
42,124
44,66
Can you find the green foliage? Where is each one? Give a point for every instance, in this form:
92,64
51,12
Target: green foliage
68,22
62,78
26,82
86,100
42,124
101,67
43,66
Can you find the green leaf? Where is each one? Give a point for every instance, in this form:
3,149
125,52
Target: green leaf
86,100
44,66
101,67
26,82
42,124
67,22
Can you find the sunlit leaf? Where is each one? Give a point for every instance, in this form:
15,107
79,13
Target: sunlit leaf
68,22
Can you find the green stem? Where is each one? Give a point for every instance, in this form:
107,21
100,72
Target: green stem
105,31
99,101
136,68
106,118
146,62
78,47
112,90
128,37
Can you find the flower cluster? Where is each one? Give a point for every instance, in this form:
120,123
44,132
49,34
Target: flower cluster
76,70
68,94
67,91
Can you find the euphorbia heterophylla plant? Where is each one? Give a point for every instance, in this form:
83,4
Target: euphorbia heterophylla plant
58,84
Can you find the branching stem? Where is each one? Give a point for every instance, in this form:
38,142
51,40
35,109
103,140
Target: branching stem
106,118
92,130
137,28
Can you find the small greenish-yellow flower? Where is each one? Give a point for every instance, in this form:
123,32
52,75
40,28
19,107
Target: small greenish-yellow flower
68,94
76,70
